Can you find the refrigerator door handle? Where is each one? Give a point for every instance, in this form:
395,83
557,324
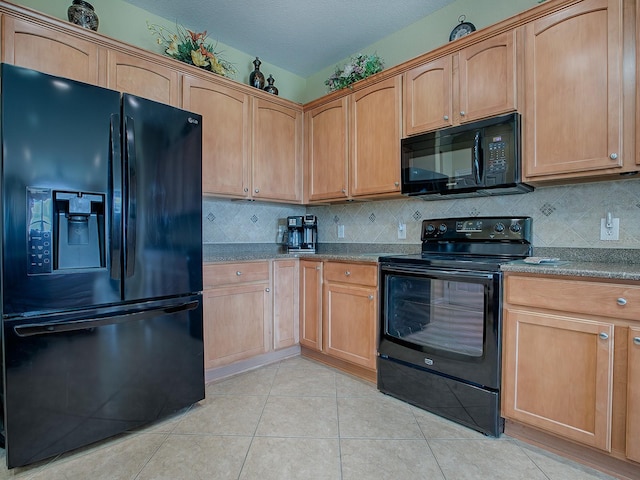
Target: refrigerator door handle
131,187
116,192
33,329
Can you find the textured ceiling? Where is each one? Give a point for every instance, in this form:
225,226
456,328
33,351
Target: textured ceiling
300,36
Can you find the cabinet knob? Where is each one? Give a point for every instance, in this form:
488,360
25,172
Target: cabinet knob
613,156
621,301
370,297
344,190
636,340
267,290
462,113
317,268
446,117
257,190
238,273
246,189
603,335
397,184
347,273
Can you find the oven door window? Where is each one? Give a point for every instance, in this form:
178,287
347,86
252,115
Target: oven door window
430,313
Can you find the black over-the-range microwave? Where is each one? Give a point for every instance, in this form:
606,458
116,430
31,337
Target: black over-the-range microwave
479,158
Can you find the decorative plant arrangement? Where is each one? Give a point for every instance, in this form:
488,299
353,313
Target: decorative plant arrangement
192,48
359,67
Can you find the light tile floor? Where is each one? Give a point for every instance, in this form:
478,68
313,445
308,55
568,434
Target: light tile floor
298,419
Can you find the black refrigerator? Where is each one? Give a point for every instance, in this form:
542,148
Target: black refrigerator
101,263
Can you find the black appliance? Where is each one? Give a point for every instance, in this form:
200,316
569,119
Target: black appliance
101,272
302,234
441,318
474,159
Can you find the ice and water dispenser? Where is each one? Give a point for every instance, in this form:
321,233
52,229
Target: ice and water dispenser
66,230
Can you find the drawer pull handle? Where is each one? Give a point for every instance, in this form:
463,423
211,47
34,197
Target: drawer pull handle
347,273
238,273
603,335
622,301
636,340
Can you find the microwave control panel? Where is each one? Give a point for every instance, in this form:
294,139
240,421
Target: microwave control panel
497,161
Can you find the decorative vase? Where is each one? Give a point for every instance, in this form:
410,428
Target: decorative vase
256,78
271,88
82,13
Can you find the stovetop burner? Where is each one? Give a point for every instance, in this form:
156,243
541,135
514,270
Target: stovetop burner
484,242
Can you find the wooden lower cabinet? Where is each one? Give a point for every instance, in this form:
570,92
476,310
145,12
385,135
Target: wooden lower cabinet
285,303
559,374
571,367
338,315
311,304
237,312
633,395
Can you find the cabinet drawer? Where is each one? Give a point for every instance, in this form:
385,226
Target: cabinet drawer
351,273
603,299
219,274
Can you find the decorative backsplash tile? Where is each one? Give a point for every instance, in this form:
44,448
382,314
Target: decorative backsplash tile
564,216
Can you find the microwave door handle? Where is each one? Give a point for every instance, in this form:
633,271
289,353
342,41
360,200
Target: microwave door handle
477,160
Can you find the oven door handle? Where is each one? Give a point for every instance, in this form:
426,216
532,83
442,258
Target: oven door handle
434,272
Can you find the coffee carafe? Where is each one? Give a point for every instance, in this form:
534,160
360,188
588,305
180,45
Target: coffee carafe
302,234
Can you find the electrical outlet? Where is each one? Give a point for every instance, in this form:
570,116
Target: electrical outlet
340,231
402,231
611,231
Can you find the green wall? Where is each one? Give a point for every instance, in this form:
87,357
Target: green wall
427,34
128,23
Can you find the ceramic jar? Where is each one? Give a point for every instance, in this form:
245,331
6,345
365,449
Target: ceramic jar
82,13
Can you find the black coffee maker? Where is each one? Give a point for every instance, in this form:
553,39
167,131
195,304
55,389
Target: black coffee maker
302,234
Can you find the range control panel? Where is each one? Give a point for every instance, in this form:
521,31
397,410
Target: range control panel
477,228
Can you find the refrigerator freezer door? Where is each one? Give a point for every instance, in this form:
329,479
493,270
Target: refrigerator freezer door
163,207
73,380
56,193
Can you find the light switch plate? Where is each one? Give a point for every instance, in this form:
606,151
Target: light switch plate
402,231
612,233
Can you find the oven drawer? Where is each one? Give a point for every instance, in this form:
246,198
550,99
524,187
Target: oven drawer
219,274
578,296
351,273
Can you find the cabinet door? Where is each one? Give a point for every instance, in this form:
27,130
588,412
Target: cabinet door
487,77
428,103
350,323
137,76
311,304
633,395
375,138
573,91
285,303
236,323
559,375
277,152
226,140
30,45
328,150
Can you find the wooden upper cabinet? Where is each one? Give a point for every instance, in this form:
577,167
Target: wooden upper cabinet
51,51
376,130
276,170
477,82
144,78
487,77
573,91
226,134
428,102
328,150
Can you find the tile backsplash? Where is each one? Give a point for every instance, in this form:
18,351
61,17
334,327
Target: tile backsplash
563,216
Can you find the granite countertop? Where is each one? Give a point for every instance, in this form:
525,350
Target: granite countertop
616,264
